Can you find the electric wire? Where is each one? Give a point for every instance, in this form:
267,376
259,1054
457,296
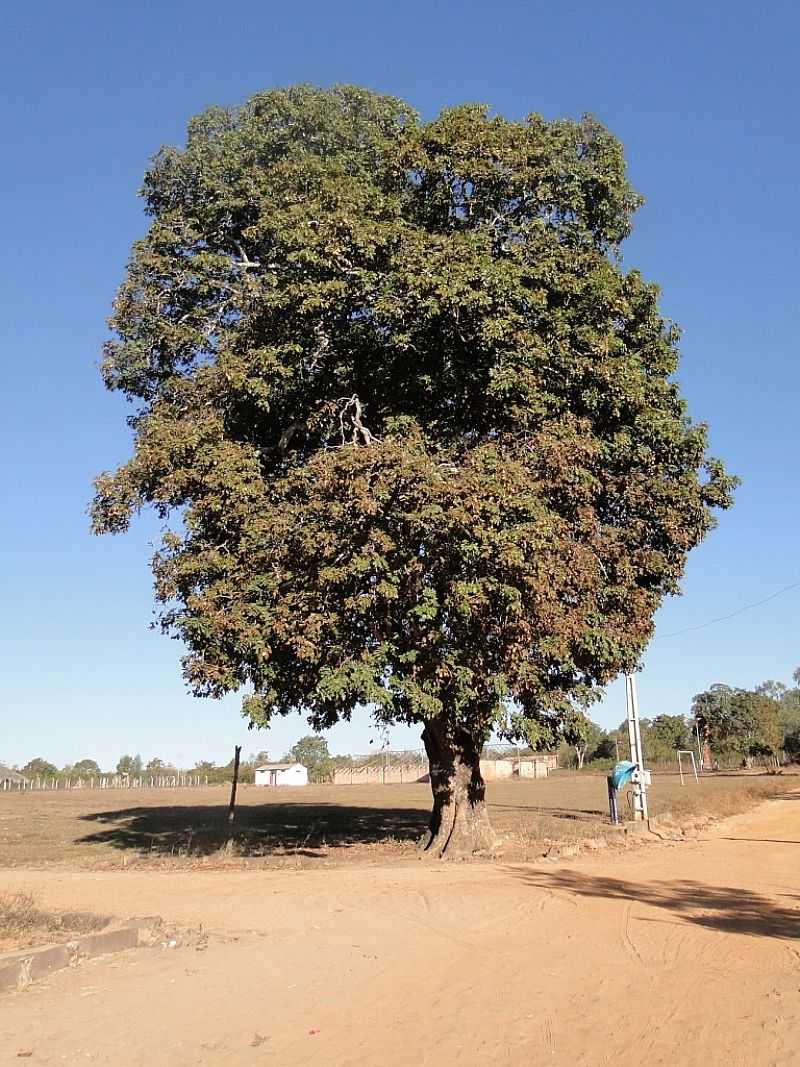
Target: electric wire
732,615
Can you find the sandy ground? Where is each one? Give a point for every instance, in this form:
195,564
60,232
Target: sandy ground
672,954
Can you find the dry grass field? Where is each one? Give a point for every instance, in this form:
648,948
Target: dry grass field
325,824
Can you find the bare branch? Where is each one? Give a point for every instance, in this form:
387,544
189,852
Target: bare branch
244,260
323,345
354,405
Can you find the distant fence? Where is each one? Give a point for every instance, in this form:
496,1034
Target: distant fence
398,768
113,781
382,768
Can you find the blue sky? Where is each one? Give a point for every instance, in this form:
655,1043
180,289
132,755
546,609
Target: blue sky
705,99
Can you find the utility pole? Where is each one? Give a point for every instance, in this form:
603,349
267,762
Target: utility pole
639,779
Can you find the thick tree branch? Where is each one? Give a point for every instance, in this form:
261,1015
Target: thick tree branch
353,404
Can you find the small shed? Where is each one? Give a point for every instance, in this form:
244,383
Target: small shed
281,774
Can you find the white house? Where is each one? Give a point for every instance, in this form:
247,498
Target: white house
281,774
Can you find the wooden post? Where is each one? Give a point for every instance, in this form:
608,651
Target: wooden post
234,782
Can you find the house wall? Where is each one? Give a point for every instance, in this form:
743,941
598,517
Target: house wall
291,776
533,769
495,769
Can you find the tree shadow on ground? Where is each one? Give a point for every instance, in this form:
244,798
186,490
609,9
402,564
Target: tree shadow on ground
573,814
259,830
726,908
760,840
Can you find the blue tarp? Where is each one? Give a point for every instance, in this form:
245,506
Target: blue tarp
622,773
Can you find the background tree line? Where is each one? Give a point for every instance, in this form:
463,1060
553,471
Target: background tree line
135,767
312,751
730,725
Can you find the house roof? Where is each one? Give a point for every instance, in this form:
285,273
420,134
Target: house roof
277,766
7,775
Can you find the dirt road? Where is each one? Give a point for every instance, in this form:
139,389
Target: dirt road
685,954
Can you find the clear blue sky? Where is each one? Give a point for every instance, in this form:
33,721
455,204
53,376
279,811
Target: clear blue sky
705,99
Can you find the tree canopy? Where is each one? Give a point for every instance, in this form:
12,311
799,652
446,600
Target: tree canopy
744,722
39,768
580,733
129,765
312,752
86,767
417,428
667,733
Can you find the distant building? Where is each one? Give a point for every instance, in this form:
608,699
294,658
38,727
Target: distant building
281,774
7,775
384,772
538,766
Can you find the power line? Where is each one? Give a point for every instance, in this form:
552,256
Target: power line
733,614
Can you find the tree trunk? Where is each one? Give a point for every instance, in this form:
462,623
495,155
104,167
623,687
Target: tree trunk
580,754
459,821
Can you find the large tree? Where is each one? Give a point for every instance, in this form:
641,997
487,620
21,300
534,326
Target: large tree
131,765
86,767
788,699
312,752
579,732
739,721
418,427
711,712
758,727
40,768
667,734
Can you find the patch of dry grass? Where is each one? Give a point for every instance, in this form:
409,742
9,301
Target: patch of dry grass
327,824
571,823
23,923
728,795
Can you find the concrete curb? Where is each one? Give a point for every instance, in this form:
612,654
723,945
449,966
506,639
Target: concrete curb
18,969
